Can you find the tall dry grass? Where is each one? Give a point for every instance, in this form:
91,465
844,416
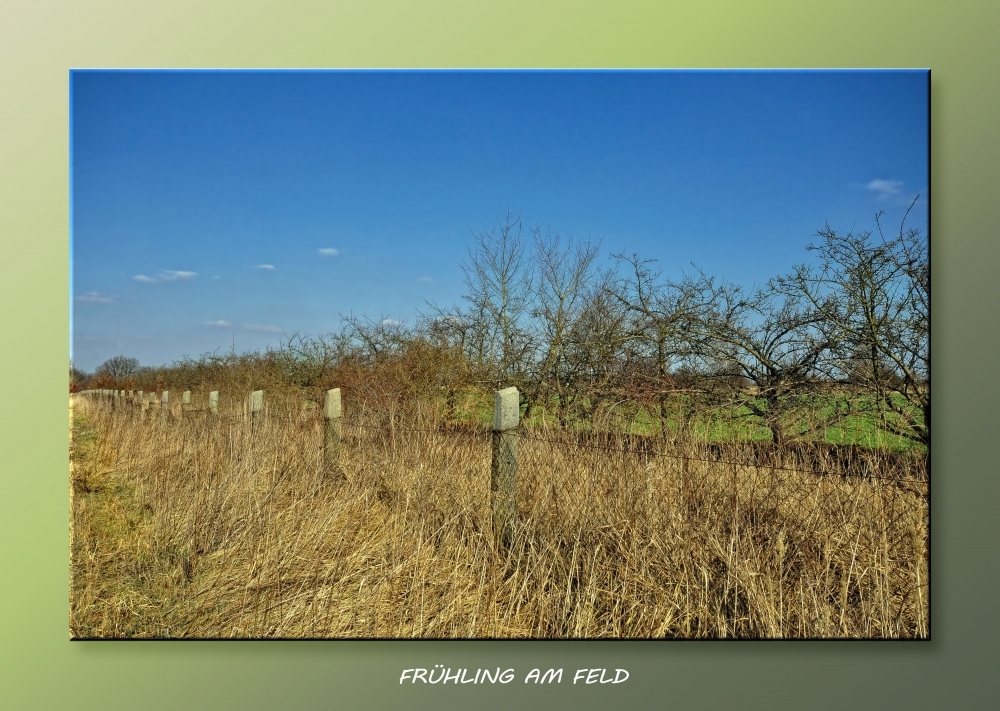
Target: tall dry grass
201,527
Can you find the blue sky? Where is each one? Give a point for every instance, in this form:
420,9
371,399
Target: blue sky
213,208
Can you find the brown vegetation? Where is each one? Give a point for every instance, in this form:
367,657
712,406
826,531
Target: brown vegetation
194,527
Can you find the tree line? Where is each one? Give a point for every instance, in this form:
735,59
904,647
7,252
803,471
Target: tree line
846,333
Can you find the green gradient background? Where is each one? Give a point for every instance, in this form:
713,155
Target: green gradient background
40,42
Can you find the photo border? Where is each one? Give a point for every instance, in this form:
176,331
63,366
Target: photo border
43,669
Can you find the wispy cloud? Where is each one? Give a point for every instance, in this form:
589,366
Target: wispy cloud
266,267
170,275
166,275
95,297
329,252
258,328
391,322
426,280
885,188
219,324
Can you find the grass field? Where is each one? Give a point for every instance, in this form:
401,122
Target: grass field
836,418
200,528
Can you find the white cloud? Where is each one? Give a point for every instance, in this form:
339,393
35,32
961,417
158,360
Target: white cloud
166,275
885,188
391,322
329,252
266,267
95,297
426,280
218,324
171,275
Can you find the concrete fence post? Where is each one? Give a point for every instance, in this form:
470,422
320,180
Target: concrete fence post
332,432
164,404
140,401
213,402
503,471
185,402
256,408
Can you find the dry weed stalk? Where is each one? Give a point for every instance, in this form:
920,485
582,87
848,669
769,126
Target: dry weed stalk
197,527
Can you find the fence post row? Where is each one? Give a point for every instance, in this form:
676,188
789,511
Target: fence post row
331,438
503,469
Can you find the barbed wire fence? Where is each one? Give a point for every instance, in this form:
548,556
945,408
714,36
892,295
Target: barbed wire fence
528,483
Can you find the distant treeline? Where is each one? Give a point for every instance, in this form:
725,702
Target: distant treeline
844,334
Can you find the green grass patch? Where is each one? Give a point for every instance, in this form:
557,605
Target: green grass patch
836,419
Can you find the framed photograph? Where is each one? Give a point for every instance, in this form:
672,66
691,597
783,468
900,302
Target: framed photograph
500,355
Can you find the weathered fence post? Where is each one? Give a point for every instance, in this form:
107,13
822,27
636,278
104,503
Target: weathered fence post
503,472
213,402
165,404
185,402
140,401
256,409
332,431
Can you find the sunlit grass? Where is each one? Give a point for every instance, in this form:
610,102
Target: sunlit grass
201,528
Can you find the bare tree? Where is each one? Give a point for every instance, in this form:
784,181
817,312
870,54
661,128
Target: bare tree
875,291
498,280
660,315
564,287
307,360
119,367
450,333
600,353
378,338
76,377
775,341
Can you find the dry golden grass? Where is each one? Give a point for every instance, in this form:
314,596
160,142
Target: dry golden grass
198,527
